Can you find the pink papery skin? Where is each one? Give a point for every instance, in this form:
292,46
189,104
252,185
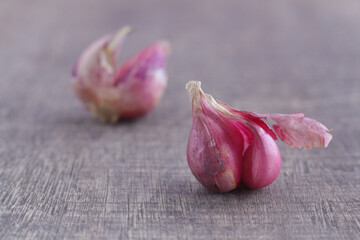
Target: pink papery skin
126,92
262,161
228,147
215,148
296,130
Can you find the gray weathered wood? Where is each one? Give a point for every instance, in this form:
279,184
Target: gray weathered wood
64,175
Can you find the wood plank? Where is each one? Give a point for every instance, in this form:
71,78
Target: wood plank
63,175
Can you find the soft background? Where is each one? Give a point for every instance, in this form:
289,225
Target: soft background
64,175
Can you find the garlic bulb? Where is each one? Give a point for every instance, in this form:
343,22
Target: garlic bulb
228,147
124,92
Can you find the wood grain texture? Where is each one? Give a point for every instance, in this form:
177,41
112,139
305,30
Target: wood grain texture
63,175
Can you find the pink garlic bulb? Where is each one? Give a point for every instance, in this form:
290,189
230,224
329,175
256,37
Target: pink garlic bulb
228,147
124,92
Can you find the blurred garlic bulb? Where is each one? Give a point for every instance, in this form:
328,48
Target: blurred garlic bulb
126,92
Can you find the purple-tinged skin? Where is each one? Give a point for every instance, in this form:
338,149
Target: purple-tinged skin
143,80
296,130
228,147
149,59
107,91
262,161
214,149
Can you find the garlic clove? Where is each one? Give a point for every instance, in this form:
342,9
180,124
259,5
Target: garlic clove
211,162
262,161
216,143
109,93
143,80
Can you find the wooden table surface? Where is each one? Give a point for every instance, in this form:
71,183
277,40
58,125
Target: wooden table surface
63,175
